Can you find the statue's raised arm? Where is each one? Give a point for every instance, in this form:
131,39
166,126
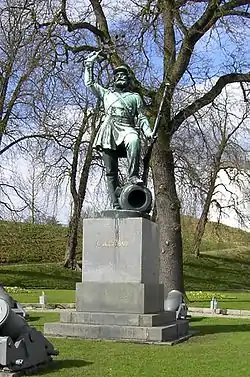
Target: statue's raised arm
96,89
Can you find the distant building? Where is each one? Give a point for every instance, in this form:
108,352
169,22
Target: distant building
231,204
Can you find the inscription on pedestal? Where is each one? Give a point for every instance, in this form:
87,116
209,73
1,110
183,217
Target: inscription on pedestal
121,250
112,244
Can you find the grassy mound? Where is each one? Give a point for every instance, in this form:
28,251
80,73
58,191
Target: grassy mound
30,257
46,275
224,263
35,243
216,237
221,270
28,243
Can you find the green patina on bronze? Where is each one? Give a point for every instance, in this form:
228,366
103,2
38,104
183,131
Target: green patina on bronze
124,122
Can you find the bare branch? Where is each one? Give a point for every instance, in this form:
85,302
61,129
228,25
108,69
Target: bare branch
207,98
26,137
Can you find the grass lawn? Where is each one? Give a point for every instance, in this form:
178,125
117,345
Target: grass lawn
220,349
211,272
208,276
54,296
34,275
223,270
220,271
226,300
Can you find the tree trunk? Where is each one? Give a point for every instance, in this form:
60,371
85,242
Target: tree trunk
70,255
199,232
202,222
168,216
78,198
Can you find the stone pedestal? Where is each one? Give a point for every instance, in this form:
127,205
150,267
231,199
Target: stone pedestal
120,296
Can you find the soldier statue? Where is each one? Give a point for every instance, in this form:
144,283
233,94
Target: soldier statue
118,135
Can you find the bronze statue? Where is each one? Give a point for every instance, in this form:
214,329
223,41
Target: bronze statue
119,133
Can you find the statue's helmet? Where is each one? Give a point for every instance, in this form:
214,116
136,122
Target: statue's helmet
122,68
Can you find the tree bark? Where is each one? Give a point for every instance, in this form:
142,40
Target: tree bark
202,222
168,215
199,232
78,198
70,255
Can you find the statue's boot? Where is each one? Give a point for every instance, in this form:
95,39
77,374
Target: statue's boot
110,159
132,144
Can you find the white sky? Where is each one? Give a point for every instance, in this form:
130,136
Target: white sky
96,196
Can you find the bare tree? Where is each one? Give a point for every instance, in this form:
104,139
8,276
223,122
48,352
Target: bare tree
78,186
35,89
165,37
212,142
23,51
25,60
34,192
71,120
231,202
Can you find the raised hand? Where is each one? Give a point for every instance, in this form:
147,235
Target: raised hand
92,57
151,138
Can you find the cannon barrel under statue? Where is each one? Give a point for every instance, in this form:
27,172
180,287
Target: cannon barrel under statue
135,197
21,347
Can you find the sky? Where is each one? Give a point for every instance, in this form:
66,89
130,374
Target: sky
46,198
219,51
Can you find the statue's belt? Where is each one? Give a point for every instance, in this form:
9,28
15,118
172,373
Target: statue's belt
122,119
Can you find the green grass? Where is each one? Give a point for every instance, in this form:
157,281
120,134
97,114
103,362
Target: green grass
224,264
217,271
226,300
38,319
33,242
213,272
216,236
220,349
47,275
56,296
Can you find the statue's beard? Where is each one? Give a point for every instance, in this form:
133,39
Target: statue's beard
121,84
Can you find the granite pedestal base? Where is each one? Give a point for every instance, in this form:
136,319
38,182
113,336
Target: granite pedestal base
120,296
160,327
110,297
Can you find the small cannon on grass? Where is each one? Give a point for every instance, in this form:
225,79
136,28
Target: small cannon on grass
22,348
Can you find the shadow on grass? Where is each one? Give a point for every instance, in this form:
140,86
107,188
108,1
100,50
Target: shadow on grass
226,259
196,319
33,319
64,364
41,275
198,277
219,329
213,283
216,272
52,279
218,264
226,268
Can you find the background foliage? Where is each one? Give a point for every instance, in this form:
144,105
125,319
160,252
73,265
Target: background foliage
27,243
32,256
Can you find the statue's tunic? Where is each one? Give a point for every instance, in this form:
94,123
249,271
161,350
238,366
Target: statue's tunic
124,114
